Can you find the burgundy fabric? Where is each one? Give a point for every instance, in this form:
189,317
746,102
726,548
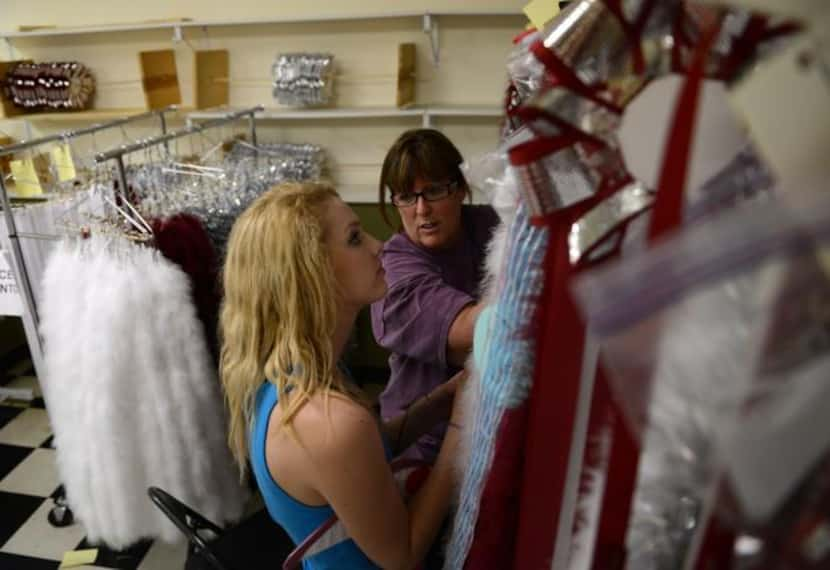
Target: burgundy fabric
552,406
183,240
718,549
559,351
620,480
533,444
532,449
668,205
494,540
542,428
527,458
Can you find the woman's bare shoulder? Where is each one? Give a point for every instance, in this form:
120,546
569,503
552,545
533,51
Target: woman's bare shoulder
330,421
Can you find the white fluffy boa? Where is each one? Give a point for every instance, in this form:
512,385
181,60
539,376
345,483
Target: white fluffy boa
131,393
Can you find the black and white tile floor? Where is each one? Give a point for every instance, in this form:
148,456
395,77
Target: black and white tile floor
28,482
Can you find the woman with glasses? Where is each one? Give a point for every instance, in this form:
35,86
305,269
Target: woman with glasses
433,265
299,268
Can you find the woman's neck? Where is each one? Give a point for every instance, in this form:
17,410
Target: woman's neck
343,330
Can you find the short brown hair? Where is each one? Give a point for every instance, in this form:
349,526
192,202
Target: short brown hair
419,153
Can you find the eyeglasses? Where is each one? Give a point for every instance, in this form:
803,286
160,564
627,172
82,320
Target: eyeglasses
431,193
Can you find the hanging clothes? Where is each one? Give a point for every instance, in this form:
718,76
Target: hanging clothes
131,391
183,240
505,373
571,90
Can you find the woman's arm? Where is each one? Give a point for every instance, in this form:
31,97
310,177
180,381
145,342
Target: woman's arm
460,337
420,417
350,471
415,316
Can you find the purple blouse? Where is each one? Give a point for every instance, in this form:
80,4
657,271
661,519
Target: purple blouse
427,290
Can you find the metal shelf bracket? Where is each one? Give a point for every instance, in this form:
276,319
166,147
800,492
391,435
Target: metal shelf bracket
431,28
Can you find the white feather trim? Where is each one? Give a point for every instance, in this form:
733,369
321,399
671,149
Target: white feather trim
131,392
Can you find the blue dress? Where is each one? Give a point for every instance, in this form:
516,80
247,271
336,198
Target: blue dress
298,519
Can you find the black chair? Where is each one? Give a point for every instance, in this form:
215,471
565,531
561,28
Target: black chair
256,542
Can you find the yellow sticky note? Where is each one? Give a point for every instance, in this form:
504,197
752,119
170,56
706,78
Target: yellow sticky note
75,558
64,165
26,180
540,12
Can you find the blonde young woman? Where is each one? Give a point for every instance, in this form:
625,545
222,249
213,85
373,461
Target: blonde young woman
299,268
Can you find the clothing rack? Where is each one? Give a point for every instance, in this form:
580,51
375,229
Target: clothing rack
60,515
30,316
160,113
118,154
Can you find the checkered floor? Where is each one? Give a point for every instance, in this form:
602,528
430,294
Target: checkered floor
29,481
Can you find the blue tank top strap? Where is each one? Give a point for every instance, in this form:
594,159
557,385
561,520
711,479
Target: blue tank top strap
298,519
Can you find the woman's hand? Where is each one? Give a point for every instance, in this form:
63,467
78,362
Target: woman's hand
436,407
449,388
441,400
459,383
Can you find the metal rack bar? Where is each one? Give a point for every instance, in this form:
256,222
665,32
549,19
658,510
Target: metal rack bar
118,153
12,237
33,235
24,285
11,149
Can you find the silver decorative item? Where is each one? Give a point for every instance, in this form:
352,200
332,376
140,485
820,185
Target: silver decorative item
304,79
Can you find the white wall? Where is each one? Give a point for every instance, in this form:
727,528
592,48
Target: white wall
471,71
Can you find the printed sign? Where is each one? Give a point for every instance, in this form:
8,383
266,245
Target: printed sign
10,303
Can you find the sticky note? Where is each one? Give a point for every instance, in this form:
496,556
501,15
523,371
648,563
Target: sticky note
64,165
540,12
26,181
75,558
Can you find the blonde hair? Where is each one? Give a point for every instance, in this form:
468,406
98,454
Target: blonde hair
279,310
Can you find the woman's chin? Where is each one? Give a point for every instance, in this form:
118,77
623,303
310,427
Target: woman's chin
433,241
380,292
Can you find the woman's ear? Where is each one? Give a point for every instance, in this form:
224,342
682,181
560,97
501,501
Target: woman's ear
467,191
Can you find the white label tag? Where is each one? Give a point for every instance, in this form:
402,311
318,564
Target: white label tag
10,303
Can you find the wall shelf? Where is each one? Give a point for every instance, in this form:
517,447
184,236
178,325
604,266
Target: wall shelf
429,23
465,111
426,114
307,114
183,24
275,114
92,115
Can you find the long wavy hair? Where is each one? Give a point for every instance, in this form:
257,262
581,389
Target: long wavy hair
279,310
